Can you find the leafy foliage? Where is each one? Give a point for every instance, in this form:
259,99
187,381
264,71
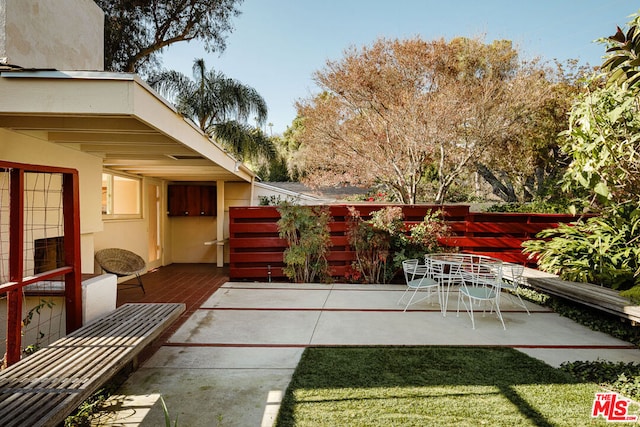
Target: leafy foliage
306,230
371,241
603,142
414,116
623,60
35,312
269,200
622,377
136,31
600,250
221,106
384,241
420,239
285,167
167,417
87,414
536,206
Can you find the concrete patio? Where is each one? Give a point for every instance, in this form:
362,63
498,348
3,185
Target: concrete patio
230,362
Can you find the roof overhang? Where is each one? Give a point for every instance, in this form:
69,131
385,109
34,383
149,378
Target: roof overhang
117,117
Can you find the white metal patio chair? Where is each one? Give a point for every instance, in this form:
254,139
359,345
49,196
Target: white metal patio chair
445,269
481,285
511,280
418,277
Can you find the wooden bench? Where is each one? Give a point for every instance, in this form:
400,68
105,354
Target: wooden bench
591,295
46,387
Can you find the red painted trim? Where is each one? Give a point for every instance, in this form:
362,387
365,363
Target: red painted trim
16,266
72,268
548,347
36,168
10,286
73,280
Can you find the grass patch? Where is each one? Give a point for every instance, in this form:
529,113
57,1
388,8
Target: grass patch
419,386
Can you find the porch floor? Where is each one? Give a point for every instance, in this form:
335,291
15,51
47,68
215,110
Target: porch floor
191,284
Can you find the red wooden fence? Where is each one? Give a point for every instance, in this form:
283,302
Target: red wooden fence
256,250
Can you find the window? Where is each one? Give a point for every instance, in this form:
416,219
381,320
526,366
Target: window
120,196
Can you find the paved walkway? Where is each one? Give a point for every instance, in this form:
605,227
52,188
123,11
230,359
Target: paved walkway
229,363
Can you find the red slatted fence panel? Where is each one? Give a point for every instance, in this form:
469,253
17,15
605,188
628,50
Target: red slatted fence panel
256,251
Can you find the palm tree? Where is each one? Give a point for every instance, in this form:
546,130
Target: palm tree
221,106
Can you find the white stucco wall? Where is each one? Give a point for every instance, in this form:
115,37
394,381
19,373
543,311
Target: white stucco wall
236,194
281,195
184,237
20,148
58,34
125,234
188,234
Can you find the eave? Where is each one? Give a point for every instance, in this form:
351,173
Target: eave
118,118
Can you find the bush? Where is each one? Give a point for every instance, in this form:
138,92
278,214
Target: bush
538,206
622,377
384,241
306,230
372,243
602,250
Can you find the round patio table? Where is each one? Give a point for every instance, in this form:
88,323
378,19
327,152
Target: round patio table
456,268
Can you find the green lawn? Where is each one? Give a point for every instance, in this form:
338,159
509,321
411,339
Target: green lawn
419,386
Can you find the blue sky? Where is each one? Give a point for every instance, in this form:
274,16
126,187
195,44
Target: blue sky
277,45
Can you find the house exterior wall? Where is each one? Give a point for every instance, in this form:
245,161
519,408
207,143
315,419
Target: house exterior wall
264,192
125,234
183,239
52,34
187,235
20,148
236,194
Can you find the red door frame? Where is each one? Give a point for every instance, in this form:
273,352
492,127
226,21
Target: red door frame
72,268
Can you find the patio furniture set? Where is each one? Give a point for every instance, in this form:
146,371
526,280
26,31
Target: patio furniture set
479,279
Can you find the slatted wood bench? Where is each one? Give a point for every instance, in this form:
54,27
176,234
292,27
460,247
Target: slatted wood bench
598,297
46,387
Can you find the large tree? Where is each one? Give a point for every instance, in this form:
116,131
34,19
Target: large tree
390,113
374,120
136,31
221,106
535,163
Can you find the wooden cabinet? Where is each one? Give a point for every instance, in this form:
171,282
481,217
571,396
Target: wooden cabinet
192,200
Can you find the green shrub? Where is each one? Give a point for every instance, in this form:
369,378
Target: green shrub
420,239
384,241
622,377
371,242
602,250
306,230
633,294
537,206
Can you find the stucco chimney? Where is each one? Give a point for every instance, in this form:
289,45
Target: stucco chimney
52,34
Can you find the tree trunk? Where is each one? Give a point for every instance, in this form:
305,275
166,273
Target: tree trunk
503,190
